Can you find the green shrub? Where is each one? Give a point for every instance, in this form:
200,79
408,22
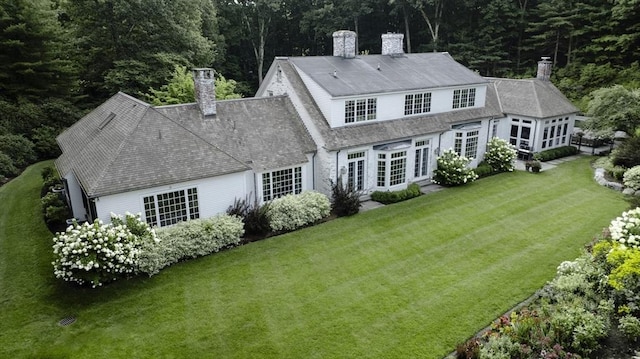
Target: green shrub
7,169
44,140
627,154
452,170
630,327
500,155
500,347
55,209
578,328
19,149
96,253
554,153
345,200
291,212
388,197
613,171
190,239
631,178
484,170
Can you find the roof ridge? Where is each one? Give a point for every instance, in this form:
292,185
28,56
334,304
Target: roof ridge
537,99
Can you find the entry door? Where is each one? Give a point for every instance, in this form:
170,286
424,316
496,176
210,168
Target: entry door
421,168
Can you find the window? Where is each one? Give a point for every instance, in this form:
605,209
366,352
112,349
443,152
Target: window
360,110
169,208
421,164
355,174
555,132
392,168
520,135
417,103
494,129
282,182
464,98
466,143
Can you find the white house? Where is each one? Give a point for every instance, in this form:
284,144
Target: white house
380,121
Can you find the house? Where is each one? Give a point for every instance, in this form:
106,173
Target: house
378,121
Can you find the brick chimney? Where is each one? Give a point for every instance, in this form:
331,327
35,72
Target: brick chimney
392,44
544,69
205,90
344,44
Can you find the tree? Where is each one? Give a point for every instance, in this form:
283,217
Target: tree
180,89
34,60
615,108
133,45
431,11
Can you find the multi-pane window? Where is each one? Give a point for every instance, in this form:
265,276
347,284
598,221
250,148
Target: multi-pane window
360,110
392,168
282,182
464,98
494,129
398,168
169,208
417,103
466,143
520,135
421,164
554,132
382,170
355,174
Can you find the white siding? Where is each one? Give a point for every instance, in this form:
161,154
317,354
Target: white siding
215,195
322,97
75,196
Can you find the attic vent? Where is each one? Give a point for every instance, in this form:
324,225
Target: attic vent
106,121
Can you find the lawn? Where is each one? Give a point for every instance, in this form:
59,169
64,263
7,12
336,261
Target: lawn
408,280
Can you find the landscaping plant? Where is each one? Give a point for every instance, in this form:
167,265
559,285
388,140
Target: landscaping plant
453,170
500,155
97,253
294,211
345,200
631,178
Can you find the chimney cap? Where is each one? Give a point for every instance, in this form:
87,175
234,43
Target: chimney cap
546,58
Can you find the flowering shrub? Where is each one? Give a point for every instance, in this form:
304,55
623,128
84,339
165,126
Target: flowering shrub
452,170
626,228
631,178
190,239
291,212
500,155
97,253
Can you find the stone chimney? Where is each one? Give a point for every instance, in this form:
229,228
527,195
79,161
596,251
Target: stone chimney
205,90
344,44
544,69
392,44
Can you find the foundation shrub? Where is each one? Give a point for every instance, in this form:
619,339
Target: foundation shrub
54,209
96,253
189,239
388,197
453,170
484,170
629,326
291,212
254,216
555,153
345,200
500,155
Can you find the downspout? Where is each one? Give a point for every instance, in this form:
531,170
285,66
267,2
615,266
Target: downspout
337,169
255,187
313,170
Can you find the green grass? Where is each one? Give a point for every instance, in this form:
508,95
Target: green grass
408,280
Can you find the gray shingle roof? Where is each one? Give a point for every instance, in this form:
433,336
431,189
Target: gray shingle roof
145,146
384,131
531,97
397,73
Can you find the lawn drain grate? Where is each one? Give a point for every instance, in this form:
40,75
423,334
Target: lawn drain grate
67,321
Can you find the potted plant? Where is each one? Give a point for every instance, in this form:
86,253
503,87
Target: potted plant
535,165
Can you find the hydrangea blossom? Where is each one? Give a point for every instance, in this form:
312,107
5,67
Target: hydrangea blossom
452,170
626,228
500,155
96,253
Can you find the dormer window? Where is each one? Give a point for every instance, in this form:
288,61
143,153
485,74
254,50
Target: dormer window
464,98
360,110
417,103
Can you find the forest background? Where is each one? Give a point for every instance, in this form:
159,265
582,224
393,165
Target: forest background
61,58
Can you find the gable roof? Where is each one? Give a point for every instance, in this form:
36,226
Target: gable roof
144,146
531,97
382,131
405,72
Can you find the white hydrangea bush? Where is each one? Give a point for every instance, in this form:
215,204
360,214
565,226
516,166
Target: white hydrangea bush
291,212
631,178
97,253
190,239
453,169
626,228
501,155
